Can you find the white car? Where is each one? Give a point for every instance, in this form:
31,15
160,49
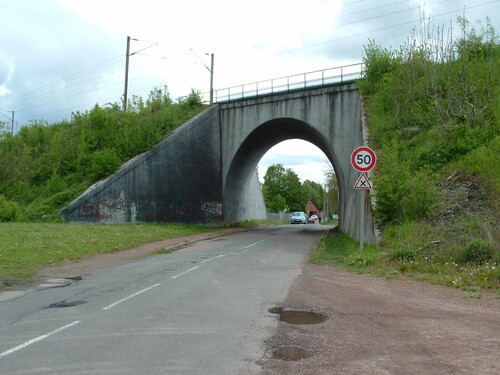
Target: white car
298,218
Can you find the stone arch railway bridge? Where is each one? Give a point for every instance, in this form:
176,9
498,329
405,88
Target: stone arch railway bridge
205,170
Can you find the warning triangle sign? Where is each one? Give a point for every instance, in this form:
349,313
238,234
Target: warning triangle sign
363,182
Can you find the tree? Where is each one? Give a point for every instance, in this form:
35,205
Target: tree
158,98
332,190
3,129
314,191
282,190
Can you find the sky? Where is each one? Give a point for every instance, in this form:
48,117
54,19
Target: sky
62,56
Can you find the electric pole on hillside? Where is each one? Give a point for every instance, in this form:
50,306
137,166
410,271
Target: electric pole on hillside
125,93
12,122
211,70
127,57
211,79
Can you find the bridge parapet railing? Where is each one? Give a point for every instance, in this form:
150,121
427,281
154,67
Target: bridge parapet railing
316,78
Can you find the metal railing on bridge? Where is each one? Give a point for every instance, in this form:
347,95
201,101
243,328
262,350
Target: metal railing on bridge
317,78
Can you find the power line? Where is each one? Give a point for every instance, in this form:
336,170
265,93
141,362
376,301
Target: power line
70,77
4,115
380,29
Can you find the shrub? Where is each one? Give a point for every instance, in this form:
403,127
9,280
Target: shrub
104,163
8,209
404,255
478,252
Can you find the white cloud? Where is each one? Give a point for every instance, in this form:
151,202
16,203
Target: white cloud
304,158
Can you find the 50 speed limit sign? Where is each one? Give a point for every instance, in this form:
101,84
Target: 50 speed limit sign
363,159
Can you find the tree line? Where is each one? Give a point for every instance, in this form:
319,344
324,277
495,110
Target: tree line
283,191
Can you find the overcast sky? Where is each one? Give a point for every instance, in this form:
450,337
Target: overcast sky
62,56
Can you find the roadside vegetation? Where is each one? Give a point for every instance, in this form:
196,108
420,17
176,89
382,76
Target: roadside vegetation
341,250
433,109
28,246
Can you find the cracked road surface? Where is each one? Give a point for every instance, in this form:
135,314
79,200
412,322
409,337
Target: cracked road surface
200,310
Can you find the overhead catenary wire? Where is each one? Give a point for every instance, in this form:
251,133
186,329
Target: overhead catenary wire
382,28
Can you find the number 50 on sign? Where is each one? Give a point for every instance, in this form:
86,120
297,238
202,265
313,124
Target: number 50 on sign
363,159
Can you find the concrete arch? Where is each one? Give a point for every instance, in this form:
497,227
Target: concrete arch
253,148
329,117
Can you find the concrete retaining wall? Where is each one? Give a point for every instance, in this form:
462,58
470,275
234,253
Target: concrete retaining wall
178,180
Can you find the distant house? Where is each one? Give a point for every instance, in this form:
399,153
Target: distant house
312,209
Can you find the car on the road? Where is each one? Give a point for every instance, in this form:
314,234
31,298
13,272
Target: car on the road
298,218
312,219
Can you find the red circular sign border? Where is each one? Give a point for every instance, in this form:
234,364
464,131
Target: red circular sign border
370,151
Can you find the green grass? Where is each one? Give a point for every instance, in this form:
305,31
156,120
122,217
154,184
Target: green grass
25,247
340,250
254,223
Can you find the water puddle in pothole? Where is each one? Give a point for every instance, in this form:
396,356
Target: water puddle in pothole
62,304
291,353
298,316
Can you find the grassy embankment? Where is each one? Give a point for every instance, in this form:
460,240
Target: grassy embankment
340,250
433,110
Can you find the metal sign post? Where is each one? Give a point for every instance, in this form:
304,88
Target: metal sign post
363,159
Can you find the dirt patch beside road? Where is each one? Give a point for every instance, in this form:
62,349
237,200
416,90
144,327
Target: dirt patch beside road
379,326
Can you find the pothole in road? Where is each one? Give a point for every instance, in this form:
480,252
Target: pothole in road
291,353
298,316
62,304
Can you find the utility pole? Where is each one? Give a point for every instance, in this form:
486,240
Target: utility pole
211,79
125,94
211,70
12,122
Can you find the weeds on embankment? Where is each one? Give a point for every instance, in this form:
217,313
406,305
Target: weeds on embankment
472,274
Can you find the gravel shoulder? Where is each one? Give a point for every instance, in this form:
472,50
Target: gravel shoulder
379,326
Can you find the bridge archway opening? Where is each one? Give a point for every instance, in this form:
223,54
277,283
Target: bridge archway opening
240,198
304,158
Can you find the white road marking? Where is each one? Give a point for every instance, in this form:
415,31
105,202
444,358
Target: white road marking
183,273
255,243
39,338
131,296
210,259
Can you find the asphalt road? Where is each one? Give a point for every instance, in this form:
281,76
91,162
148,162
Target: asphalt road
199,310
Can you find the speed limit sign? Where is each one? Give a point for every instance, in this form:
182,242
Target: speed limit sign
363,159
